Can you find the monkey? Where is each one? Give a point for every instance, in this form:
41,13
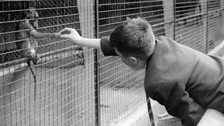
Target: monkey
27,35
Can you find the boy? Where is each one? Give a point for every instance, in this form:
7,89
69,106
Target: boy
187,82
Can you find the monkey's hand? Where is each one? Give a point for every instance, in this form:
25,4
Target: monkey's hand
56,35
33,56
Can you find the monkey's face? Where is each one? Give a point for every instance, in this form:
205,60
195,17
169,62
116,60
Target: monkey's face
34,23
33,16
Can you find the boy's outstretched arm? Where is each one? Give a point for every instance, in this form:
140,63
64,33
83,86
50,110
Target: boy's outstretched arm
72,34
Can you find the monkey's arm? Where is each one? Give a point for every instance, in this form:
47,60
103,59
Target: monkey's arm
37,34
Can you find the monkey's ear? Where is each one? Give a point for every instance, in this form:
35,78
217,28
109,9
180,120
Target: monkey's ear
36,15
26,14
128,19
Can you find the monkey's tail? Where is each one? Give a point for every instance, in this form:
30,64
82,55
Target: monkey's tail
34,78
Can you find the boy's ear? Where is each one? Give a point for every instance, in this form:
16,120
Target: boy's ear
133,60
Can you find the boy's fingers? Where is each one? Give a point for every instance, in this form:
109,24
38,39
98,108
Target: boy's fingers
65,31
64,36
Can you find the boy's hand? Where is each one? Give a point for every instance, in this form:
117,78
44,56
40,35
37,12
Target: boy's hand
70,33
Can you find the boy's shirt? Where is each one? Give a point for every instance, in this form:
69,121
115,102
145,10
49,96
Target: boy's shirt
184,80
106,47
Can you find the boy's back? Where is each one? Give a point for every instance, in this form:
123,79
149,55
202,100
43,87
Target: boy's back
184,80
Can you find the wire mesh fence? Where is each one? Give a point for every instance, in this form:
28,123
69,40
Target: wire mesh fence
64,91
78,86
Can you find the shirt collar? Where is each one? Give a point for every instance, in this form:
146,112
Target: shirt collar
150,57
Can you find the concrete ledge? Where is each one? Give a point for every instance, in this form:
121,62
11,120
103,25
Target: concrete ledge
218,50
137,118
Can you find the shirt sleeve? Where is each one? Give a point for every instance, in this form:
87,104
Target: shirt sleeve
106,48
177,102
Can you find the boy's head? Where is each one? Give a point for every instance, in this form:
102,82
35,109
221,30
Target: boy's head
134,42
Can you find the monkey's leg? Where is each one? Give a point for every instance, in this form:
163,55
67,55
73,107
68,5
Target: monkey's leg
34,78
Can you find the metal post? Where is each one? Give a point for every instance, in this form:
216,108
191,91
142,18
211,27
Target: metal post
141,4
174,16
169,17
204,9
89,26
96,72
222,14
150,112
207,39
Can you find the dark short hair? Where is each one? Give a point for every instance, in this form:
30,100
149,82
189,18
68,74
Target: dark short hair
133,37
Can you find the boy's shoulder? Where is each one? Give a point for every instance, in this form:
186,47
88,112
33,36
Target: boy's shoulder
106,47
168,58
165,38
